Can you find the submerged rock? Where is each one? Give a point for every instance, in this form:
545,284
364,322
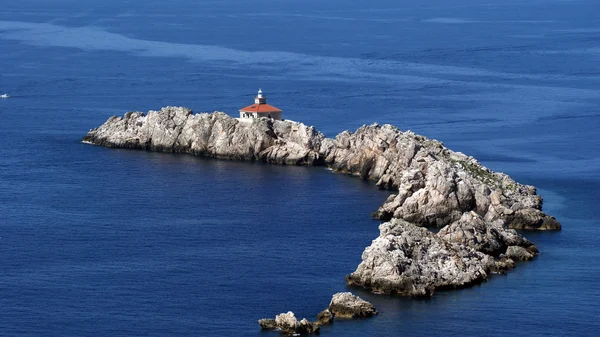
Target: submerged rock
346,305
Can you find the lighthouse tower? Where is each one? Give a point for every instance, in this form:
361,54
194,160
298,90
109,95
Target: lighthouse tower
260,99
260,108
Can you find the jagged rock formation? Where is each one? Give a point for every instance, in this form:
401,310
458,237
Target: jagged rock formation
491,238
176,129
433,185
346,305
412,261
288,324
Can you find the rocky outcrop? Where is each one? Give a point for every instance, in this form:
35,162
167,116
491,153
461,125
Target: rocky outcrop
342,305
289,325
346,305
412,261
324,317
532,219
520,253
176,129
491,238
435,185
267,323
409,260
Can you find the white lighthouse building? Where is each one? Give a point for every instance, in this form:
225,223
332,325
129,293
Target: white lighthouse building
260,108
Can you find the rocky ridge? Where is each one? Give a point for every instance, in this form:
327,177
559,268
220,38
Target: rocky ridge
177,129
433,186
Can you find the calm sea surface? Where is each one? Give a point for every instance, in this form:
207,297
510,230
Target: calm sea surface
100,242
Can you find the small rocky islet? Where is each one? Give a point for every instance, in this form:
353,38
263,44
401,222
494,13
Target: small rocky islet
477,209
342,306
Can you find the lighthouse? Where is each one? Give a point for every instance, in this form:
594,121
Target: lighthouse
260,108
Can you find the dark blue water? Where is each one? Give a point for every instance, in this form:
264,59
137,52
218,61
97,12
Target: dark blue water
100,242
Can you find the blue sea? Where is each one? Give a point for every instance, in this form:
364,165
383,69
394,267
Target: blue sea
104,242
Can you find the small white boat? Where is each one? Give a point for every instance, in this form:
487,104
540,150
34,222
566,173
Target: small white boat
4,96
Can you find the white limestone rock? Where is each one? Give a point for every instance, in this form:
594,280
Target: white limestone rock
177,129
347,305
435,185
492,238
412,261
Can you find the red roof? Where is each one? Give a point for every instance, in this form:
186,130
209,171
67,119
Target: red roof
260,108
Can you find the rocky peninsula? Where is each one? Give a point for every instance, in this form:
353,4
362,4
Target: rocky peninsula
433,186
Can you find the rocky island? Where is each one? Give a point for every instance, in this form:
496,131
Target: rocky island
342,306
477,209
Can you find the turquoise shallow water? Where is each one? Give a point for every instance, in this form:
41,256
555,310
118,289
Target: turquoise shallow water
96,241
